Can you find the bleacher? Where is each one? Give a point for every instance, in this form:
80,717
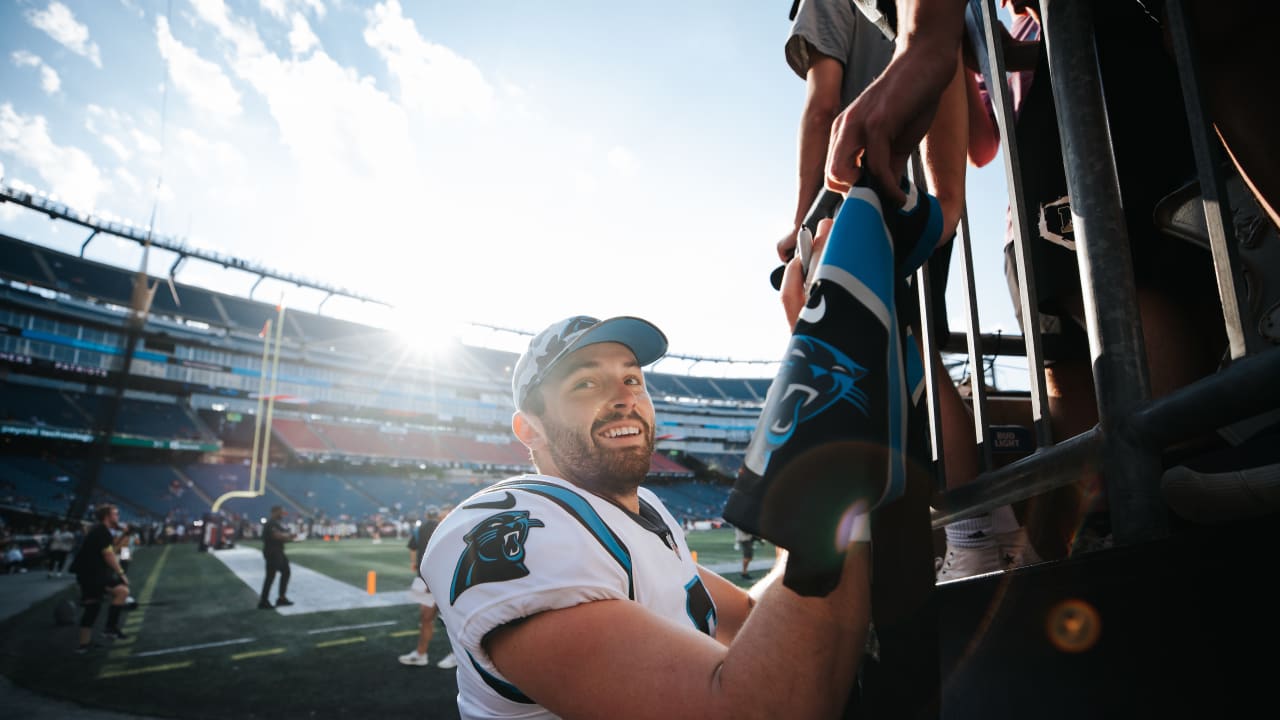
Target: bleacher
39,406
321,493
155,489
232,432
691,500
299,437
373,416
35,485
215,480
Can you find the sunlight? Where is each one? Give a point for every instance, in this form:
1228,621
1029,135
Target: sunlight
426,333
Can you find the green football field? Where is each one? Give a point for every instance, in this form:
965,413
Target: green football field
198,647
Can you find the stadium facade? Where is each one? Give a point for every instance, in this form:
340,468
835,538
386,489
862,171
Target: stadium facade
360,425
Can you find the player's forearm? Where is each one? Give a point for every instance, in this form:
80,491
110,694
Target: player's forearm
796,656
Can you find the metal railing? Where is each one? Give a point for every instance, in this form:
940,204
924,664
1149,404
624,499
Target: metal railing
1133,430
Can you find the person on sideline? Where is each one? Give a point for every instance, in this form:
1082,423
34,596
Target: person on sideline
422,594
98,572
274,536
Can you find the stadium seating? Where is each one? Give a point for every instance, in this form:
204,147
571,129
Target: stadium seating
155,489
385,422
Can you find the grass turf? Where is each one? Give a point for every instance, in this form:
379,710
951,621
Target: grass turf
254,663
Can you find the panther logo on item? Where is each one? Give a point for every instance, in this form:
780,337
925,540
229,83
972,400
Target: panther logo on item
818,376
495,551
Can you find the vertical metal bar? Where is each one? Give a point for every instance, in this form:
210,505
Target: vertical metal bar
1001,98
1106,271
1217,213
978,389
925,291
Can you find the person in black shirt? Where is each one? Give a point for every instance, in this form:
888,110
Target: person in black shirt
274,536
98,572
419,591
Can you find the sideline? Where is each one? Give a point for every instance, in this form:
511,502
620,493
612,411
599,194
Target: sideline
309,590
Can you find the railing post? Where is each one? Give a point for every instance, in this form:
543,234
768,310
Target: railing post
1121,380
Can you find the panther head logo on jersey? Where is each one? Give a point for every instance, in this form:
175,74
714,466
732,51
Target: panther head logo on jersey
495,551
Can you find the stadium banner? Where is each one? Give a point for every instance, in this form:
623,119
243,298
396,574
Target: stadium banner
53,433
46,433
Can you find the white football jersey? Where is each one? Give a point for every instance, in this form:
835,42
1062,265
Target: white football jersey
535,543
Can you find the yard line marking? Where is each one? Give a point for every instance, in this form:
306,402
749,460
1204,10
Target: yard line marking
403,633
113,672
149,587
119,654
317,631
257,653
343,641
188,648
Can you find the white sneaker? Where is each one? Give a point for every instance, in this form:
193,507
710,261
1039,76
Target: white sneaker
449,662
1217,498
1002,551
414,658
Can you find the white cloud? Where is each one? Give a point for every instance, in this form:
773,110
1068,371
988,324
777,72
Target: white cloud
130,182
116,147
280,8
432,77
301,39
49,81
622,160
61,25
144,142
132,7
95,117
203,154
67,171
202,82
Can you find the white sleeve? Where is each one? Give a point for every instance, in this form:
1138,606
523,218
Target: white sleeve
488,566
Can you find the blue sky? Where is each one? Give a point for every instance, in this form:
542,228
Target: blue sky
501,162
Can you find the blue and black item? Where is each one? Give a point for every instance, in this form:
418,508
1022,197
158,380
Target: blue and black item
827,448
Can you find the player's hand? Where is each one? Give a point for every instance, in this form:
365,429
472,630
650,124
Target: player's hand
795,289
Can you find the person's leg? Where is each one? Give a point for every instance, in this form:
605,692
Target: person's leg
426,628
119,595
263,601
1182,339
1236,61
283,598
992,541
88,617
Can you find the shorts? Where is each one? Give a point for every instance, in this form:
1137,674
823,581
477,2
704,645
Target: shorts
1170,266
421,594
92,588
748,549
